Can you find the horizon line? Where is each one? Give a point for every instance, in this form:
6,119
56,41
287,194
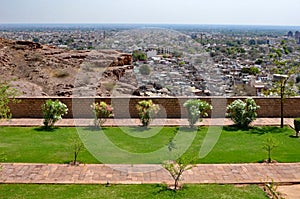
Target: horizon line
135,23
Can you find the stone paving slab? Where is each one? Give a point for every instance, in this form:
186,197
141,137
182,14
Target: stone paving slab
148,174
80,122
290,192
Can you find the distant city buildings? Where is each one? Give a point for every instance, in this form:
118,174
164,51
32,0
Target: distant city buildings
189,62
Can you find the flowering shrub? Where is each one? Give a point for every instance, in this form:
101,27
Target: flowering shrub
242,113
196,110
101,111
53,111
146,109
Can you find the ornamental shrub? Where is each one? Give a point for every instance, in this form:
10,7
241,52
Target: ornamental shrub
242,113
53,111
146,110
101,111
297,126
196,110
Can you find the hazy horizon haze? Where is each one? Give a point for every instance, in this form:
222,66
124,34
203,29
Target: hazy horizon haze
221,12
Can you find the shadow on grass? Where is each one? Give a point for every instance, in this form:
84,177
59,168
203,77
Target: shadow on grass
256,130
235,128
94,128
266,129
188,129
294,136
162,189
44,129
139,128
166,191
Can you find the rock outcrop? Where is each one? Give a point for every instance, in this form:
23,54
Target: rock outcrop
38,70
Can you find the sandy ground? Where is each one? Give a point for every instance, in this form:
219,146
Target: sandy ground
290,192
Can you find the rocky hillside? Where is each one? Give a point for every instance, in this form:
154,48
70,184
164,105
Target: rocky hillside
40,70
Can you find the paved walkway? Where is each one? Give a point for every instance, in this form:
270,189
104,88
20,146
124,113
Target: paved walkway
136,122
148,174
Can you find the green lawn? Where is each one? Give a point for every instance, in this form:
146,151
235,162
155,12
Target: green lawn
33,145
129,191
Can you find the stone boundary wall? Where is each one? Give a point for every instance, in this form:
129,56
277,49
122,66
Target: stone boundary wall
171,107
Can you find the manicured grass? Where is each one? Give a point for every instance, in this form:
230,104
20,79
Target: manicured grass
246,146
129,191
34,145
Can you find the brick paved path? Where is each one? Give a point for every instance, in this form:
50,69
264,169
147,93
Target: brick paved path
137,174
136,122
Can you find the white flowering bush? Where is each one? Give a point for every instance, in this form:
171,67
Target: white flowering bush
196,110
242,113
53,111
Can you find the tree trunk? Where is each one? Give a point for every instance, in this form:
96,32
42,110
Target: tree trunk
75,157
281,113
281,103
269,154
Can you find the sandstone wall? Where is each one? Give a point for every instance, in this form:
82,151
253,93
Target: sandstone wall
170,107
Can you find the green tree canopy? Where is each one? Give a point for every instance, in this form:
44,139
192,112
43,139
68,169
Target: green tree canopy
7,94
139,56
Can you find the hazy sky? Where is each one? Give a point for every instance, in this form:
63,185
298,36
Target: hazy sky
252,12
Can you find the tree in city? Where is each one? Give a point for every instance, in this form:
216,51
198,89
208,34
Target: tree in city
145,69
139,56
251,70
7,95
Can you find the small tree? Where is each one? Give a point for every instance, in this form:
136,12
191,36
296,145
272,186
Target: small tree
146,109
52,112
242,113
196,110
145,69
77,146
284,70
284,88
7,94
269,144
297,126
101,111
176,169
139,56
